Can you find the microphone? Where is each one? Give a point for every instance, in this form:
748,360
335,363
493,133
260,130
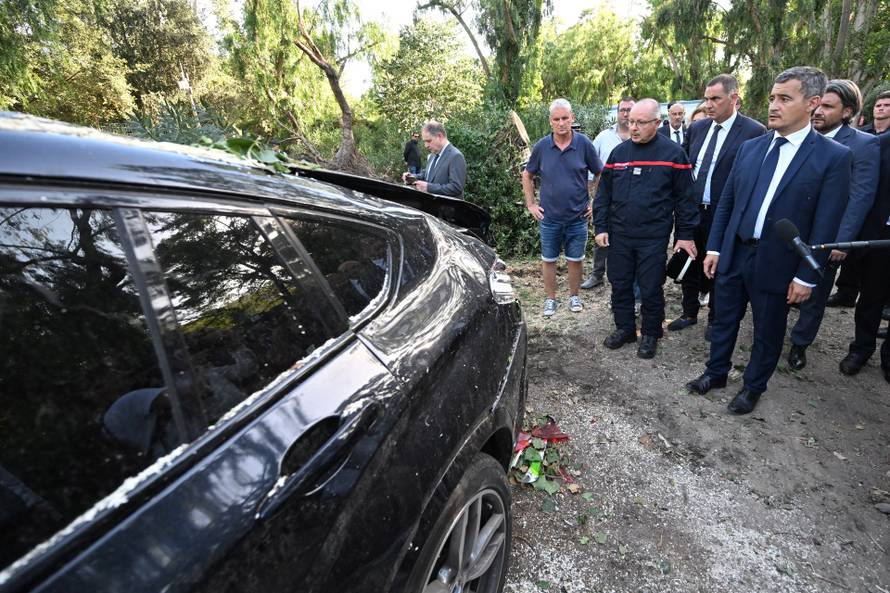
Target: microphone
789,233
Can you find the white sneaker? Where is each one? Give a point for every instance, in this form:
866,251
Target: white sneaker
703,299
549,307
575,305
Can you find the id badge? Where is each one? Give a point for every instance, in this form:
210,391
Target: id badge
637,171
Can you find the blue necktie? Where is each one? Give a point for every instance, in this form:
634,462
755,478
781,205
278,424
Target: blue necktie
767,170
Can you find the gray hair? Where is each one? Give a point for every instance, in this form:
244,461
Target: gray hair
849,94
728,81
560,104
812,80
434,128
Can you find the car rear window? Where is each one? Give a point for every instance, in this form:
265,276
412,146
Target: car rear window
354,259
241,312
82,400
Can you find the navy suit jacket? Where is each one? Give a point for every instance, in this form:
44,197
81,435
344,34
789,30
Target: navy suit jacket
812,194
875,225
864,181
743,128
667,130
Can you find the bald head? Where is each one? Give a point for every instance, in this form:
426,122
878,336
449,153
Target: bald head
644,119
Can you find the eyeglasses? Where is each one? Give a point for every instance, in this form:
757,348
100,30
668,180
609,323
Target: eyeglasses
641,122
625,110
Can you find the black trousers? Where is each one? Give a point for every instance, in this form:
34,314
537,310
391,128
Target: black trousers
695,281
874,293
849,278
645,260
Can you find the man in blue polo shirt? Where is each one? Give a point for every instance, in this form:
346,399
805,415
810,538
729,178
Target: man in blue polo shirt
562,161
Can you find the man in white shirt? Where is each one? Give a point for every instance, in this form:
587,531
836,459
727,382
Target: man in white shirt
795,174
673,127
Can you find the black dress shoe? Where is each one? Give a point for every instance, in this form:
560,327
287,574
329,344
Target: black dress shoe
648,346
705,383
852,364
840,299
681,323
592,281
619,338
797,357
744,401
709,332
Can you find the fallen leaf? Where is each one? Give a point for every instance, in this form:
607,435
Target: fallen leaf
543,585
860,427
584,540
582,519
588,496
573,488
548,505
548,486
646,441
601,537
839,456
639,500
623,550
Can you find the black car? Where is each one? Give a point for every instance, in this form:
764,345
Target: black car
216,377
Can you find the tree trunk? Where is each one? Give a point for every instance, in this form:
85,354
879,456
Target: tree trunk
842,32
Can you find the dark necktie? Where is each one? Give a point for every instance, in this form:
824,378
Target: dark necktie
767,170
701,177
432,166
677,135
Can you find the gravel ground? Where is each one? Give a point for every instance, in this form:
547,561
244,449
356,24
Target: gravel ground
681,495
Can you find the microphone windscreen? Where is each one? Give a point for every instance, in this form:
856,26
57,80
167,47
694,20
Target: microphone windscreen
786,230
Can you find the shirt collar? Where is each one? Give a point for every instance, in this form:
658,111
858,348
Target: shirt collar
571,144
441,152
834,132
796,138
726,125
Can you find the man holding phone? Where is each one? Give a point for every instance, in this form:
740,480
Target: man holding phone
446,171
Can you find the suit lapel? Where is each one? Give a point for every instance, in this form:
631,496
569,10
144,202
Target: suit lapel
803,154
843,134
729,143
754,163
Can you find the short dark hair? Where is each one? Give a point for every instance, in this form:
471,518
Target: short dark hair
849,94
626,98
882,95
812,80
729,82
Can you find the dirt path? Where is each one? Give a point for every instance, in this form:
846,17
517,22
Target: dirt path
682,495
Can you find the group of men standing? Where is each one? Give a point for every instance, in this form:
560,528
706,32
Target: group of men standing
719,187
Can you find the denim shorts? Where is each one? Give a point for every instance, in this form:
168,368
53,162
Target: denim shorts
557,235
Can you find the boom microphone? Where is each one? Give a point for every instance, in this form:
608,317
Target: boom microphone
789,233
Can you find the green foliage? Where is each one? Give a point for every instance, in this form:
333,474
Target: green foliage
511,30
23,24
158,39
429,77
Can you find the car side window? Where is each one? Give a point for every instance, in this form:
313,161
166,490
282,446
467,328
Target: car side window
242,314
354,259
83,403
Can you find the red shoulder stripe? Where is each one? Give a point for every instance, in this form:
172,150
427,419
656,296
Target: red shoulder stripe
648,164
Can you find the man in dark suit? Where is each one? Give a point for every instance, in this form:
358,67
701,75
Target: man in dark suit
840,103
674,126
792,173
875,291
711,144
446,171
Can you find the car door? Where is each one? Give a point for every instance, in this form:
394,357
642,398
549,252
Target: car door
274,408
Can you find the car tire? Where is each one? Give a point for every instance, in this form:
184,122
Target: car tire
468,547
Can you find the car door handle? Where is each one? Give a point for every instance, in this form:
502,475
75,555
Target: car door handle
333,452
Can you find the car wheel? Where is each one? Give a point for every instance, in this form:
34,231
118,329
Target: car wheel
468,546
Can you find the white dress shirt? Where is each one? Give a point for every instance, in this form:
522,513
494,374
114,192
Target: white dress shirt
672,133
721,138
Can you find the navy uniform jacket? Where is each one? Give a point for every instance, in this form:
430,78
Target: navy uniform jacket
812,194
864,181
743,128
643,189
